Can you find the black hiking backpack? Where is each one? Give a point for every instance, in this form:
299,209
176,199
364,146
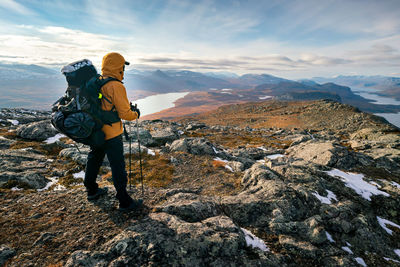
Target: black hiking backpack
78,113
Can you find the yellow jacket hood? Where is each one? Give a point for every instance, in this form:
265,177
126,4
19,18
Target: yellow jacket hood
113,65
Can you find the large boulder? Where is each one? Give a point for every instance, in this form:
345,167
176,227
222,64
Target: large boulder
326,153
144,135
163,136
23,167
38,131
196,146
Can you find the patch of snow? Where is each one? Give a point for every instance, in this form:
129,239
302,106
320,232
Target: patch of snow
264,97
347,249
13,122
262,148
240,95
348,244
59,187
226,89
389,259
219,159
360,261
180,132
54,139
275,156
253,241
50,160
151,152
329,237
229,168
383,222
213,89
327,199
215,150
228,93
355,181
397,251
53,180
16,189
261,161
80,174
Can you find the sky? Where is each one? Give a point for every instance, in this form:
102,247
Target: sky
291,39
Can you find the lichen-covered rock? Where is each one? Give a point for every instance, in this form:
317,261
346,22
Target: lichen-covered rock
23,167
189,207
163,136
163,239
38,131
5,254
78,155
196,146
326,153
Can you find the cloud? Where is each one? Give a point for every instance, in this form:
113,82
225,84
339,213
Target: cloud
15,7
52,45
243,63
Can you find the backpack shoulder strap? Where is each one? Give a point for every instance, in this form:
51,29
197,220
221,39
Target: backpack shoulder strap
102,82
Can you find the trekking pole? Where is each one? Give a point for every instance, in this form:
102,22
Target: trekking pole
127,137
130,158
140,155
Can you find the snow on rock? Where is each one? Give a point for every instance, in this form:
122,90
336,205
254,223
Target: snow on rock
78,175
355,181
329,237
397,251
16,189
253,241
54,139
383,222
151,152
360,261
53,180
262,148
13,122
275,156
347,249
215,150
327,199
390,259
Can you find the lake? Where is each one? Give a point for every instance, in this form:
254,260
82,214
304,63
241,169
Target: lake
156,103
368,93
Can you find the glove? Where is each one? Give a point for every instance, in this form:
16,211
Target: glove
135,109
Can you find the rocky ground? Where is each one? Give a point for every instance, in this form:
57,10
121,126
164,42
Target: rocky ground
262,184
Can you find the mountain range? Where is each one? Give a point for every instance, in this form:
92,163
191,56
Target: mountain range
33,86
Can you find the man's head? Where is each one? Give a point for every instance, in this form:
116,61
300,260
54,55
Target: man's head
113,65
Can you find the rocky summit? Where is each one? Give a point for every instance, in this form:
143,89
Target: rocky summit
272,183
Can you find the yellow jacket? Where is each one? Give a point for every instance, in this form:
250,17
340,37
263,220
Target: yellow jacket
113,66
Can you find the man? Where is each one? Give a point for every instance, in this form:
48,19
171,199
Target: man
113,65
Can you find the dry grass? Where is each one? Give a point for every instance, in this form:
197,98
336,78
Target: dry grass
234,139
218,164
10,135
157,170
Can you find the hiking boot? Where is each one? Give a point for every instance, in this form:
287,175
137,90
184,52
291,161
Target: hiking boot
135,204
99,192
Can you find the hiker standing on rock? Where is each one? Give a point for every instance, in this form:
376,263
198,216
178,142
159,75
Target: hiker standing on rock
113,65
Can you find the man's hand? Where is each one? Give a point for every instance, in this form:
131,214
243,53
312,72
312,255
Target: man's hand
135,109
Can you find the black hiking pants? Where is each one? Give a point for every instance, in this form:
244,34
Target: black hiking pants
115,154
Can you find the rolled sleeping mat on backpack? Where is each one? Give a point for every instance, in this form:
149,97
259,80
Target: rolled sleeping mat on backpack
79,72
